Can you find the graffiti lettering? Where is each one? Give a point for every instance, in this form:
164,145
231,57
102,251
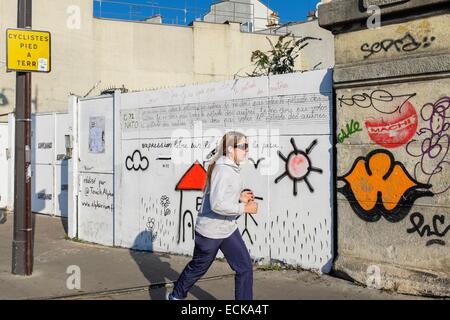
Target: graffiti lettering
377,186
97,205
377,99
418,221
433,147
351,128
394,130
405,44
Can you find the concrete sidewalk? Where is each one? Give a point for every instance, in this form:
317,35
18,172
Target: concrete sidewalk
115,273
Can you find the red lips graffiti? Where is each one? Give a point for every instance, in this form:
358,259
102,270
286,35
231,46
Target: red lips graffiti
392,131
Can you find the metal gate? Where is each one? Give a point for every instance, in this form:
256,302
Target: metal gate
49,165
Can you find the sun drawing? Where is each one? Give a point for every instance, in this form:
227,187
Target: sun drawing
298,166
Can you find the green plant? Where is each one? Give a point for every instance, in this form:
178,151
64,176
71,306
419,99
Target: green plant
281,58
75,240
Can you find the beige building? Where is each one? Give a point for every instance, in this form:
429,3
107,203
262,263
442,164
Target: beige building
319,53
252,14
90,54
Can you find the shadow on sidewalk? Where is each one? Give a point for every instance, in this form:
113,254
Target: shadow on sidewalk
156,271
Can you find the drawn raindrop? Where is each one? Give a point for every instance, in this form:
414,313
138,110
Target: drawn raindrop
284,225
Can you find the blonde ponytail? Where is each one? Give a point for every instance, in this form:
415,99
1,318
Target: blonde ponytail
230,139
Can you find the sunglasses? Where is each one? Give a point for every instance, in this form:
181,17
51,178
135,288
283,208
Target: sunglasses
243,146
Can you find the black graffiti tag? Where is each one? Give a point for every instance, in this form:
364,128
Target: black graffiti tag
433,147
377,99
405,44
418,222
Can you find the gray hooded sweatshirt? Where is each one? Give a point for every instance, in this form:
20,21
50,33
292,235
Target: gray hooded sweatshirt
221,208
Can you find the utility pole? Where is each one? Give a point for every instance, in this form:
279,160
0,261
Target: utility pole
22,251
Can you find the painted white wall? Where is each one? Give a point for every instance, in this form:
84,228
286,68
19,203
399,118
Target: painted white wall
4,147
95,176
153,127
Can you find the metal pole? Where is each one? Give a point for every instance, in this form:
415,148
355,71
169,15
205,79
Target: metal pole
22,257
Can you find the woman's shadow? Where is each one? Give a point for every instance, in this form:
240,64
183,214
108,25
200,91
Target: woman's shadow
157,272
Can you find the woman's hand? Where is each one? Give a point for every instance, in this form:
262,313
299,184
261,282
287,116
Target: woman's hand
251,207
247,196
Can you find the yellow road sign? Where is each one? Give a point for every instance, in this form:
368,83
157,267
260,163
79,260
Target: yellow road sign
28,50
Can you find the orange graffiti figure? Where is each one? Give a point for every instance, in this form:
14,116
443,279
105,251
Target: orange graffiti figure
380,186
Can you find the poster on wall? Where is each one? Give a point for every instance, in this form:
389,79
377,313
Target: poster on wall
97,135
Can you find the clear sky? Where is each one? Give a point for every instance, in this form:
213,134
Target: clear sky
173,10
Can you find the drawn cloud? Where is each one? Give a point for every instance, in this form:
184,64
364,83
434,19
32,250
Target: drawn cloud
137,162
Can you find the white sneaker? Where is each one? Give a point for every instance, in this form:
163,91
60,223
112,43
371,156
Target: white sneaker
169,296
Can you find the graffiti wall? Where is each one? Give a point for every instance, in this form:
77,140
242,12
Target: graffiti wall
168,137
393,174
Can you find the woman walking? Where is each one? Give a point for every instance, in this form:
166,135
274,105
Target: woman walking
216,227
